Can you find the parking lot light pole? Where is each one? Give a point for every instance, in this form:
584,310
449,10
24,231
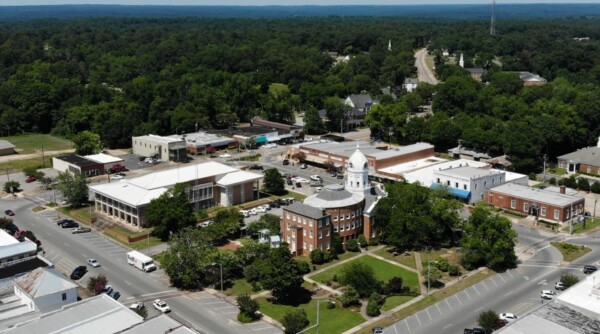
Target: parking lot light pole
318,316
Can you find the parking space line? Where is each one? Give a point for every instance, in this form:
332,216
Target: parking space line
502,278
418,320
468,295
476,290
396,329
492,279
485,286
509,274
221,307
448,304
438,307
429,315
458,299
406,322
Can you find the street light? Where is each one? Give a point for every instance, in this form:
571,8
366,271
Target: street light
220,270
318,316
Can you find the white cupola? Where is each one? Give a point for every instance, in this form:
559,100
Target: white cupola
357,173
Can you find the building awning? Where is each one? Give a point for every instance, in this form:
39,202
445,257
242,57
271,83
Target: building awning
287,135
460,193
261,139
274,138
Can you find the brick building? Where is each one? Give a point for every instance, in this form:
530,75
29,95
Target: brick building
347,211
541,203
586,160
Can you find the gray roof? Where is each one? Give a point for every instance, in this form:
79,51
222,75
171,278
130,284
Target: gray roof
527,76
333,196
372,198
96,315
361,100
4,144
588,156
476,70
411,81
306,210
160,324
346,149
465,151
536,194
467,172
43,281
394,152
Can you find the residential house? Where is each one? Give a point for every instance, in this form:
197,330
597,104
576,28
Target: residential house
585,160
530,79
6,147
410,84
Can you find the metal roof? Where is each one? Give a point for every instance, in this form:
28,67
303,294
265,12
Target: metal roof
103,158
4,144
158,139
96,315
43,281
160,324
467,172
306,210
536,194
333,196
588,156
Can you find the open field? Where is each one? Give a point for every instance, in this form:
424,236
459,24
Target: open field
32,143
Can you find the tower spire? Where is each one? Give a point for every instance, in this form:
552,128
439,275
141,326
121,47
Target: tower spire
493,22
390,45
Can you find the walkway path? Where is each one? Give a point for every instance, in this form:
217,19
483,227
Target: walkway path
419,271
32,155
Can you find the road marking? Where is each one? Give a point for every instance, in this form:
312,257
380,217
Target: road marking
438,307
542,282
396,329
509,274
127,283
130,297
190,321
458,299
448,304
419,320
48,233
493,281
66,244
222,307
488,289
406,322
508,293
468,295
157,293
476,290
479,309
84,256
448,325
541,249
429,315
526,278
502,278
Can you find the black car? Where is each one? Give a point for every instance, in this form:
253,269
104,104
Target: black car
256,167
78,272
63,221
275,204
340,176
286,162
289,182
69,224
587,269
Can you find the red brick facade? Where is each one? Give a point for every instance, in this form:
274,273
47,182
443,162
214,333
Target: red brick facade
529,206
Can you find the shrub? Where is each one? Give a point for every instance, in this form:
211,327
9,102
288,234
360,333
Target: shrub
304,267
596,188
317,256
362,240
331,305
251,274
394,285
248,307
294,321
583,184
96,284
350,298
453,270
569,280
373,309
352,245
532,176
552,181
442,264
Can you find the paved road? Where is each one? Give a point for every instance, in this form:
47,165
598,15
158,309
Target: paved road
515,291
68,250
424,73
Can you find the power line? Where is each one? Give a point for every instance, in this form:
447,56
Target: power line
493,22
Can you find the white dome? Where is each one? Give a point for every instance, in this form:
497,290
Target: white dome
358,161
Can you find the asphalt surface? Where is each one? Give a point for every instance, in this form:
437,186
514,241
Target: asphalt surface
424,73
68,251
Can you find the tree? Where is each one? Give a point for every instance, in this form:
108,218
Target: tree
300,156
294,321
189,258
267,221
312,122
596,188
273,182
96,284
350,297
281,274
361,277
352,245
337,246
11,186
317,256
375,302
73,187
170,212
488,240
583,184
569,280
87,142
394,285
489,321
227,223
431,274
248,307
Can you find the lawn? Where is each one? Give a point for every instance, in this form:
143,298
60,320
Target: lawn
570,252
146,243
383,271
393,301
15,166
408,261
341,257
448,253
31,143
240,287
332,321
579,228
82,214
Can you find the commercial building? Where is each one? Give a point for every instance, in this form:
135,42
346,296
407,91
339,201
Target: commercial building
44,290
337,154
467,183
285,130
6,147
163,148
160,324
260,134
585,160
13,250
198,142
211,184
347,211
77,165
541,203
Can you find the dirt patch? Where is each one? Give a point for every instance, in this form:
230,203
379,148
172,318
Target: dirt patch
230,245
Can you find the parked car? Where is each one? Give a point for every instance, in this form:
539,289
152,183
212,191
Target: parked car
266,206
275,204
286,162
9,212
289,182
137,306
318,189
225,155
245,213
333,174
30,179
78,272
559,286
303,166
161,306
475,330
315,178
253,212
339,176
256,167
93,262
260,209
508,317
69,224
81,230
116,177
377,330
298,185
588,269
548,294
63,221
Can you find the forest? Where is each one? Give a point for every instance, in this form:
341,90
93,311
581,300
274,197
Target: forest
120,77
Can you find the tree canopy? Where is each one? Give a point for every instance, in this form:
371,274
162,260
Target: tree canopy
170,212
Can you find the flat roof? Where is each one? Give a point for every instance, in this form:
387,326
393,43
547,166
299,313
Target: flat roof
103,158
160,324
9,246
96,315
141,190
77,160
512,176
424,176
157,139
536,194
202,138
466,172
346,149
399,169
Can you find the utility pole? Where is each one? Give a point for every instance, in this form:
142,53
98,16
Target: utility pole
545,158
342,125
493,21
571,216
43,164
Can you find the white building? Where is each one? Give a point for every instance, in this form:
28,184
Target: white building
468,183
164,148
107,161
410,84
211,184
12,250
44,290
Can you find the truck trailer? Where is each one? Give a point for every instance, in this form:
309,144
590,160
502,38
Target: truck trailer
140,261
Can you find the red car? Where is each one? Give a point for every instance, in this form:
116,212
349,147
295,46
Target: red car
30,179
9,212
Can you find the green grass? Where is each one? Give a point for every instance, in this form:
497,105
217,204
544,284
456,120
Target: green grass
557,171
332,321
393,301
383,272
143,244
82,214
571,252
408,261
15,166
278,88
579,228
341,257
31,143
295,195
240,287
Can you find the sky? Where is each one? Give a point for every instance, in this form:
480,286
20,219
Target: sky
276,2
